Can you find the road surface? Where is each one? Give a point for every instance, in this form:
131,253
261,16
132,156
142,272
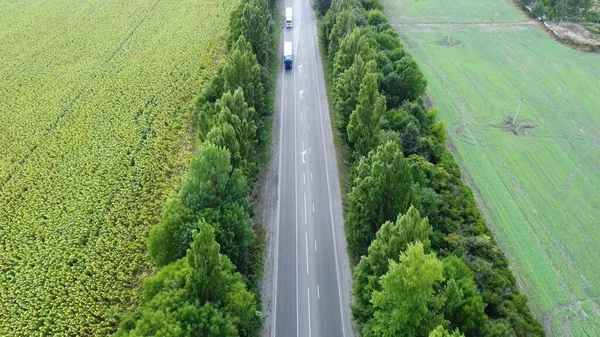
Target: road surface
311,287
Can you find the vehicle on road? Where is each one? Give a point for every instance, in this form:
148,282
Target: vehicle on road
288,17
287,54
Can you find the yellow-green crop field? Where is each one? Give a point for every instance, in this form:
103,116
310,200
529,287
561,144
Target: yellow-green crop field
95,131
537,182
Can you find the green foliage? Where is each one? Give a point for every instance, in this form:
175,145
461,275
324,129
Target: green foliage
391,240
478,294
441,332
571,9
167,316
345,92
376,18
211,274
410,138
537,10
463,306
322,6
364,120
358,43
234,127
167,241
213,182
404,82
344,24
382,189
200,295
233,228
407,303
243,71
253,20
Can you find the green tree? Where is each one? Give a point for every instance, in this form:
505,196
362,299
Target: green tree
406,306
391,240
464,306
411,138
344,24
253,20
234,128
376,18
441,332
371,4
233,231
170,316
537,10
382,189
167,241
499,328
405,81
359,42
364,120
211,275
346,88
200,295
213,182
214,279
223,135
323,6
243,71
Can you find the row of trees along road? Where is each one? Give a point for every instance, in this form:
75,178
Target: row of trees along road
206,242
426,263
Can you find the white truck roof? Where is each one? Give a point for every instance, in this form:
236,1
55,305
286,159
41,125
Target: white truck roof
288,13
287,48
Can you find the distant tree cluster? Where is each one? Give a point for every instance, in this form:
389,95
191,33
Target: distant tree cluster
205,242
572,10
426,262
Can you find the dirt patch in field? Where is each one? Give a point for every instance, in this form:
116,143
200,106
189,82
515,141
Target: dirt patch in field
521,127
449,44
575,32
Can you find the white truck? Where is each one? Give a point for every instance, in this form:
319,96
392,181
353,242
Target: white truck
287,54
288,17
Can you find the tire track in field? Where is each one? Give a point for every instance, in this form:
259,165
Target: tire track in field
548,318
465,24
54,125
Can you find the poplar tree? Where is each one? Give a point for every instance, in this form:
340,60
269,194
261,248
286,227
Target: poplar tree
243,71
391,239
382,189
364,120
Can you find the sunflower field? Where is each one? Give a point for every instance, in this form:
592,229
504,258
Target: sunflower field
95,133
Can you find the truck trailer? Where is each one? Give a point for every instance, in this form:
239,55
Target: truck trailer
288,17
287,54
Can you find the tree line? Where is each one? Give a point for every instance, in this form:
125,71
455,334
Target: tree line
426,263
206,243
572,10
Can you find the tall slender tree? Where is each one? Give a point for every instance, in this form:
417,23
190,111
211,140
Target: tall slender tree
382,189
243,71
364,120
391,240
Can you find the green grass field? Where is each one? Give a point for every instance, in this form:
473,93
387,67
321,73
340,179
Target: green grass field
538,184
95,131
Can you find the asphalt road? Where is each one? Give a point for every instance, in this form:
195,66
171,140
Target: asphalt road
311,290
